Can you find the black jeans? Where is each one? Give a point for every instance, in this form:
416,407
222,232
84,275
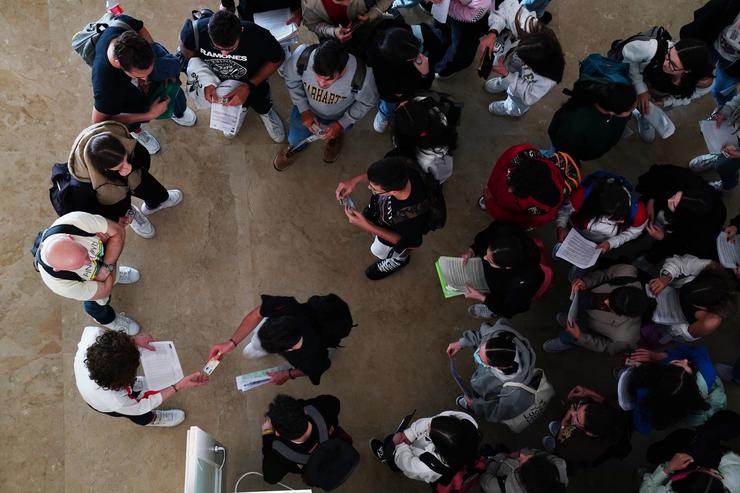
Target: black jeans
704,443
462,41
141,420
260,99
103,314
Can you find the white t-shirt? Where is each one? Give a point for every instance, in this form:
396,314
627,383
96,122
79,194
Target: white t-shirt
108,401
86,289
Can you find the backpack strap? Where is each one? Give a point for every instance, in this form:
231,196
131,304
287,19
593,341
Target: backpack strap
434,464
520,385
501,483
288,453
196,36
359,78
59,229
319,421
302,62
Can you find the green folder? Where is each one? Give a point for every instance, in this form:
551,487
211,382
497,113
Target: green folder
446,291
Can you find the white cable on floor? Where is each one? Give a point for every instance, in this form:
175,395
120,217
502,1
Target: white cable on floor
236,486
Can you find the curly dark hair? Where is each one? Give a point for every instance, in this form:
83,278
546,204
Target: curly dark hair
287,416
112,360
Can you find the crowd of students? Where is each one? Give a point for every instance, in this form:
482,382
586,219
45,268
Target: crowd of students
369,59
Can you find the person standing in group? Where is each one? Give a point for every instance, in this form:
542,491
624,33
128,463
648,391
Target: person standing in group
105,368
467,20
116,166
123,56
240,54
77,258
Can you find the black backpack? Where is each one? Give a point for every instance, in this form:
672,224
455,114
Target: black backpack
357,80
434,206
67,194
36,250
329,464
331,318
656,32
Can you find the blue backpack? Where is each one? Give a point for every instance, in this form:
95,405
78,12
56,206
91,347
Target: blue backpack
598,69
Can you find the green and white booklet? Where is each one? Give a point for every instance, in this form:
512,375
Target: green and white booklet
453,275
248,381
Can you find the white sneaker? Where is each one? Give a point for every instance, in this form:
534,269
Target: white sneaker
167,418
145,138
127,275
273,125
495,85
479,310
141,225
644,129
497,108
703,162
123,324
188,119
380,123
242,117
174,198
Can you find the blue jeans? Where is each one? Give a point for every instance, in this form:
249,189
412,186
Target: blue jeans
297,132
103,314
462,41
724,86
727,169
386,109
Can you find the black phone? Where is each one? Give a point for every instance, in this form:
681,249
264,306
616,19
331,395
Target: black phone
486,65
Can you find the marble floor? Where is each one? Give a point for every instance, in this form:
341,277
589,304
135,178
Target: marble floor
243,230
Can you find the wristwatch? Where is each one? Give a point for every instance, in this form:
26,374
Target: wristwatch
110,267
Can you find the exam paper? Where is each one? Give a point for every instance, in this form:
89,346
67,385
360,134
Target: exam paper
715,137
455,275
728,251
439,11
225,118
573,310
578,250
161,366
249,381
275,21
668,311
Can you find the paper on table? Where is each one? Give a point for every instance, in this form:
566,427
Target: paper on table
439,11
668,310
161,366
573,310
578,250
715,137
453,276
728,251
249,381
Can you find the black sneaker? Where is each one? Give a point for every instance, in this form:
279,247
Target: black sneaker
384,268
376,447
546,18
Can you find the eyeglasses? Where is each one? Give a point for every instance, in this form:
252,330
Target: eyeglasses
671,63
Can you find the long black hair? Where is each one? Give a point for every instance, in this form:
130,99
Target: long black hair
671,393
501,352
695,58
104,151
713,290
539,48
609,197
615,98
455,440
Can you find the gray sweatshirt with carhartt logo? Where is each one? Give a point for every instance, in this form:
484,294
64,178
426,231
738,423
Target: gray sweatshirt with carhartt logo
335,103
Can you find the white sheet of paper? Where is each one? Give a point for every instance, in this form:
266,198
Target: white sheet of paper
573,310
578,250
161,366
457,276
439,11
715,137
225,118
255,379
728,251
668,311
275,21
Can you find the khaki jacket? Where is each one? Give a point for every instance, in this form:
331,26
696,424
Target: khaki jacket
316,19
108,192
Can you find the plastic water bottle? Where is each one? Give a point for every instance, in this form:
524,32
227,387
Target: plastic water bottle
113,7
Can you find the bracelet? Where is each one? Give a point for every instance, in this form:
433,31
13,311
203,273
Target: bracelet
233,342
174,386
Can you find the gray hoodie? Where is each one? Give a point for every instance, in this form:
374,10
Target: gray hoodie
494,401
337,102
505,467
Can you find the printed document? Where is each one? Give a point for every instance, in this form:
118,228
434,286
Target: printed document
225,118
161,366
728,251
276,21
249,381
668,311
715,137
573,310
578,250
453,275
